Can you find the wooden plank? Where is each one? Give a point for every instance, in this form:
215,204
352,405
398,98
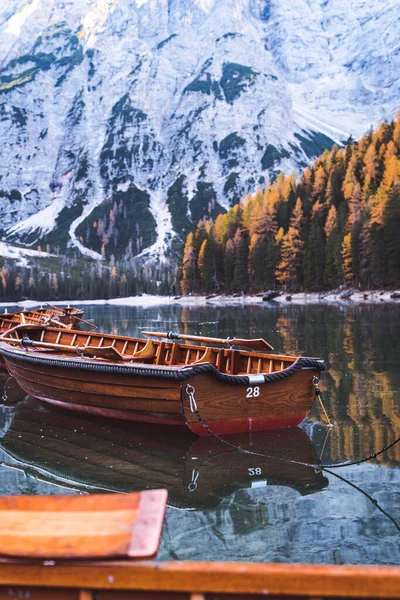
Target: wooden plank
140,398
82,375
52,335
123,385
85,595
325,581
140,595
40,593
82,526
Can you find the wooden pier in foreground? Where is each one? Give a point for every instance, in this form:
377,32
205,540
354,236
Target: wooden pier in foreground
153,580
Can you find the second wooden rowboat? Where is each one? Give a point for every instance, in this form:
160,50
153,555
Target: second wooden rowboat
63,318
208,389
68,315
58,317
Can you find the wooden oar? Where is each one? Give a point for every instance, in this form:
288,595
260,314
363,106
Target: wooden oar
58,324
92,325
106,352
56,308
255,344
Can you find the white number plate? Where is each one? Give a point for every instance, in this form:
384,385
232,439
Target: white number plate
253,392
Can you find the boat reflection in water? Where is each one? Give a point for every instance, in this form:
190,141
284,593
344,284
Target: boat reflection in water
97,454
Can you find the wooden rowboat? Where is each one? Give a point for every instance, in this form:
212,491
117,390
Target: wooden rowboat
223,390
41,316
58,317
68,315
93,454
31,317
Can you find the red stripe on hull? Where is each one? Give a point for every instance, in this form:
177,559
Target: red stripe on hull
246,425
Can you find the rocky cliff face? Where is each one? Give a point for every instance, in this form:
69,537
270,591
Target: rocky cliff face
122,122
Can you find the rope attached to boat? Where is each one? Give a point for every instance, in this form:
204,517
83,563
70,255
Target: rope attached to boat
178,374
194,409
4,397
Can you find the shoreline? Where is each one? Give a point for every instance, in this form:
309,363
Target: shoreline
337,297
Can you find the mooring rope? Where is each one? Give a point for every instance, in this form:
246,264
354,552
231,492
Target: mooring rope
317,467
370,498
194,409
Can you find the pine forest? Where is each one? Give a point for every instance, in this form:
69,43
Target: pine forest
335,227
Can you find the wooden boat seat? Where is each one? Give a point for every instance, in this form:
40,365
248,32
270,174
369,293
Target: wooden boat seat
94,526
106,352
147,353
209,356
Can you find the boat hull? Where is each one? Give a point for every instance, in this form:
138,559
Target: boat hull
244,408
120,396
136,394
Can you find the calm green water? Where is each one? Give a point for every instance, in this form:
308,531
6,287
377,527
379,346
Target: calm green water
224,505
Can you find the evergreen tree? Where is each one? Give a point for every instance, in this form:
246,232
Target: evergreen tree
207,265
290,269
229,265
333,259
338,223
391,234
257,256
241,267
314,250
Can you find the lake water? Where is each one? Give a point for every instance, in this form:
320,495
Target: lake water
226,505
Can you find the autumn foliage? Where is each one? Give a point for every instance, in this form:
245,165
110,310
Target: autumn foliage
339,225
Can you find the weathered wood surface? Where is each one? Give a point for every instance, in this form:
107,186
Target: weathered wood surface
10,390
82,526
196,580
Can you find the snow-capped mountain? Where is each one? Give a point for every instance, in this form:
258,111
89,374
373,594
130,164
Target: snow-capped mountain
122,122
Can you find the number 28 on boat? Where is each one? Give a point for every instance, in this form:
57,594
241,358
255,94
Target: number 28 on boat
207,386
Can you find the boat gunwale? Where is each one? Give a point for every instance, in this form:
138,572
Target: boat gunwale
152,577
109,336
179,372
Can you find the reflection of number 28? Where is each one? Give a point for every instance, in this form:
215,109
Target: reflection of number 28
254,471
252,392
